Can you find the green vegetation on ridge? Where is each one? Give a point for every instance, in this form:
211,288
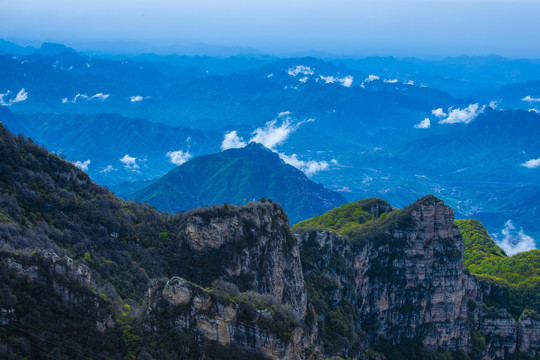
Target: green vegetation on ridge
344,217
515,279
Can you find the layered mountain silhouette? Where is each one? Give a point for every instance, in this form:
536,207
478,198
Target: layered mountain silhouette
237,176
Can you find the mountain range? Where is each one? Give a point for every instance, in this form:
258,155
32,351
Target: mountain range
236,176
394,128
88,275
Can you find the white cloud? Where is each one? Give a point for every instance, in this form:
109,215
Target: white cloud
410,82
371,78
272,135
108,169
465,115
532,164
424,124
300,69
529,98
21,96
83,165
178,157
270,75
347,81
304,79
344,81
390,81
284,113
293,87
367,179
309,167
136,98
231,140
438,113
534,111
98,96
494,104
129,162
514,241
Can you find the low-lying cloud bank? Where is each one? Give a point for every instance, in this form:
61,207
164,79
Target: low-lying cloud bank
515,241
457,115
532,164
300,69
529,98
231,140
346,81
465,115
6,101
98,96
130,162
424,124
179,157
108,169
273,134
309,167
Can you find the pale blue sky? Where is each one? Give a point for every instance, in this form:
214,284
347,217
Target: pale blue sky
355,27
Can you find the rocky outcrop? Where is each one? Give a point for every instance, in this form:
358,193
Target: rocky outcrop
528,334
61,269
500,331
503,335
186,307
408,280
58,277
412,281
404,278
250,246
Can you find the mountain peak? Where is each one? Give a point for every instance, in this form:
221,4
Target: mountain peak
48,49
256,146
238,176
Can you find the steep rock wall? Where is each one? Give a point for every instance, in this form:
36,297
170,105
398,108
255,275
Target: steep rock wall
250,246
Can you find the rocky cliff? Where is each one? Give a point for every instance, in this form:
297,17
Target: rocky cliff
257,324
232,281
401,277
404,276
250,246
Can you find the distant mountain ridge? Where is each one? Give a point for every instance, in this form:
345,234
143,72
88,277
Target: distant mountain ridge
237,176
104,139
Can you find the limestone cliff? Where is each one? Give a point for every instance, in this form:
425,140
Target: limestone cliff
263,330
401,277
250,246
407,280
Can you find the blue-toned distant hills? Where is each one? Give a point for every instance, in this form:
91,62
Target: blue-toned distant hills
364,118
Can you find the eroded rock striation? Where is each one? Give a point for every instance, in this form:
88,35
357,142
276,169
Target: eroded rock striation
250,246
402,277
407,278
272,332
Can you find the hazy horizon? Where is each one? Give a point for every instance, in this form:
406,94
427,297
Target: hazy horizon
416,28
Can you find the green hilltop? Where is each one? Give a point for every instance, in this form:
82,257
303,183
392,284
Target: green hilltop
515,280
